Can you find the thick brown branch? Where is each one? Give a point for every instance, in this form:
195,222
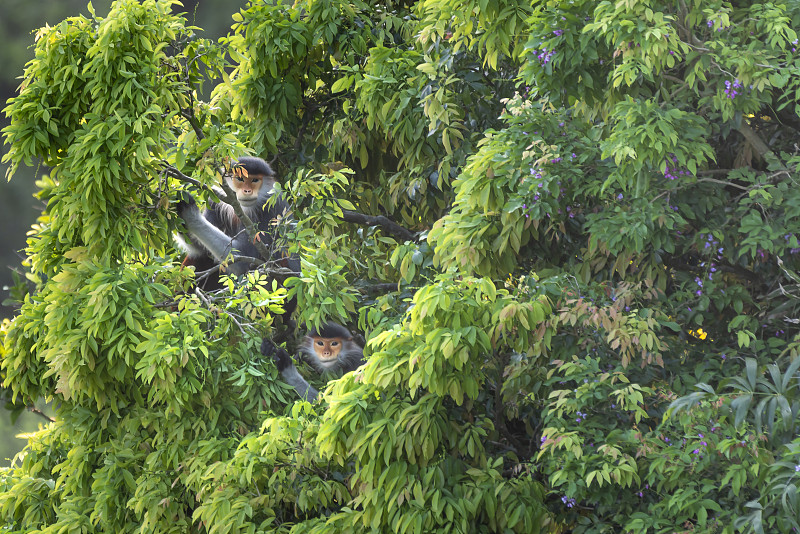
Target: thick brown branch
380,287
678,263
758,144
378,220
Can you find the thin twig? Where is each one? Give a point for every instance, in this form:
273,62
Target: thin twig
178,175
381,287
37,411
722,182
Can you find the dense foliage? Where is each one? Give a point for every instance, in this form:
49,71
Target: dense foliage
568,231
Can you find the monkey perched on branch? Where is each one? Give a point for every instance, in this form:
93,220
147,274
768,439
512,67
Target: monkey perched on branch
329,350
218,231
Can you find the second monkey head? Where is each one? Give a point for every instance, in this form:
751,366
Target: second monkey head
331,348
252,180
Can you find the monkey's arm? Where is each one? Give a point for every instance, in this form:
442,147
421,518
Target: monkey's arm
288,370
212,238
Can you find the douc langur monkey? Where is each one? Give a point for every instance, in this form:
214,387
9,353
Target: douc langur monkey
217,231
329,350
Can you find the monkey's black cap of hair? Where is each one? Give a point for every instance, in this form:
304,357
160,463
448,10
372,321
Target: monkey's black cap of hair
330,330
255,165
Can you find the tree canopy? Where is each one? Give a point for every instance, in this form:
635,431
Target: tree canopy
568,231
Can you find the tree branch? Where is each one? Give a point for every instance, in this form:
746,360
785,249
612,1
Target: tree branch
191,118
37,411
378,220
679,263
178,175
380,287
723,182
759,145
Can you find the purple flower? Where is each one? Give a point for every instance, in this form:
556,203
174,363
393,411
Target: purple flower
544,56
731,88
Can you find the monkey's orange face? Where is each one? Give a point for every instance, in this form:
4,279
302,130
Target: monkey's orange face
248,187
327,349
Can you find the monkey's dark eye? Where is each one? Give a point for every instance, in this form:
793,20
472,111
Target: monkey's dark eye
334,343
240,178
320,343
254,180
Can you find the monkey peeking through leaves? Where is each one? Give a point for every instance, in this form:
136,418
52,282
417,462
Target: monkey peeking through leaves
329,350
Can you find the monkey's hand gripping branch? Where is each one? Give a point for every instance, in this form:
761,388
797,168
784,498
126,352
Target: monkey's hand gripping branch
288,370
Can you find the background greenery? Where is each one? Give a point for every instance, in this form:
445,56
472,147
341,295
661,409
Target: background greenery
18,209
